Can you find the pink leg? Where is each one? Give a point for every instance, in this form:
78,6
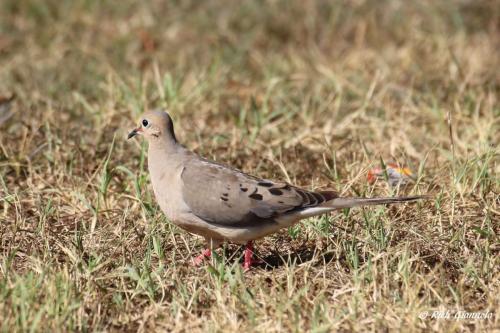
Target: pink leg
199,259
249,256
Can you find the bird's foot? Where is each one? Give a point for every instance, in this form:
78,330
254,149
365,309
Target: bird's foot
249,264
249,260
198,260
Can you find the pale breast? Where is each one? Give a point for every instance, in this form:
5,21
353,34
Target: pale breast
166,181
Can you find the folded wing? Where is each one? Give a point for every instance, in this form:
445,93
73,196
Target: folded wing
222,195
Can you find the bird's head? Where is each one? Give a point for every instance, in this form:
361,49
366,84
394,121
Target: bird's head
155,125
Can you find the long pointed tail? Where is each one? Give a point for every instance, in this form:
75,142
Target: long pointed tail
339,203
355,202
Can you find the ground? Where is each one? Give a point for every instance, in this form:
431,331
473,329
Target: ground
315,93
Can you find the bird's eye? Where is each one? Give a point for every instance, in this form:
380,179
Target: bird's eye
145,123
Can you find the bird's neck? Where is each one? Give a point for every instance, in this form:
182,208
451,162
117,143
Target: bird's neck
163,146
164,164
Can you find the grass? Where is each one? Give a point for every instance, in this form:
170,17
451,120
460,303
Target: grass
314,93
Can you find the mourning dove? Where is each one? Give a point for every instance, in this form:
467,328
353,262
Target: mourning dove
225,204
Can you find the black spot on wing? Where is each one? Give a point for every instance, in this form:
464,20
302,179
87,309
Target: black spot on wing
265,184
224,198
243,189
255,196
275,191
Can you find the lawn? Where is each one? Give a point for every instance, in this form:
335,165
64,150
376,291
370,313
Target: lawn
315,93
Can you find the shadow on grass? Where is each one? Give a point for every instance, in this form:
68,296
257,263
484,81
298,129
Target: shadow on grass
277,259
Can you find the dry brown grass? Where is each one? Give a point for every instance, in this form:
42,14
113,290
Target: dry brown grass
311,92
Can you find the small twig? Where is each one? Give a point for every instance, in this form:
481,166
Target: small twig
452,143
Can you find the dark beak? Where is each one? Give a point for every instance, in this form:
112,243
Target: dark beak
134,132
